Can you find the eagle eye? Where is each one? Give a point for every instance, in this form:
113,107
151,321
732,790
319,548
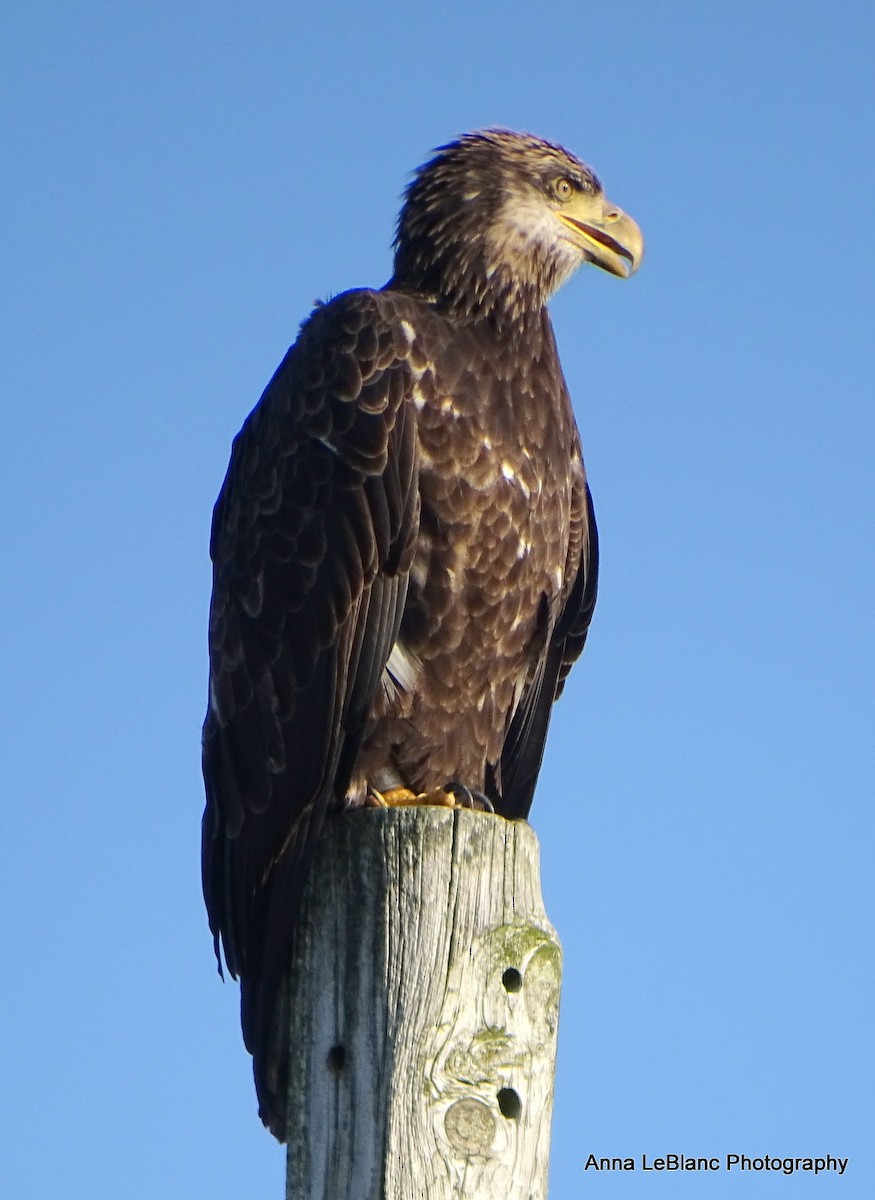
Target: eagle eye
563,188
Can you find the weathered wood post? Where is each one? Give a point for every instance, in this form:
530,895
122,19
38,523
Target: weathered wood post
424,1009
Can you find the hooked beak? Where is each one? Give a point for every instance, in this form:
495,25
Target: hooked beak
608,236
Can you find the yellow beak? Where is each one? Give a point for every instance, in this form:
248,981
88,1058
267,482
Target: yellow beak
608,236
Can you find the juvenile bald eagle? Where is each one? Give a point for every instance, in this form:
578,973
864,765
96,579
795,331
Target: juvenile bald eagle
404,547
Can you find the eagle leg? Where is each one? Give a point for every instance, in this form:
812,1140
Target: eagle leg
451,795
401,797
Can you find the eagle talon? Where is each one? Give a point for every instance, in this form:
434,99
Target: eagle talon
465,798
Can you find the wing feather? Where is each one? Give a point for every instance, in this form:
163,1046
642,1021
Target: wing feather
312,539
523,750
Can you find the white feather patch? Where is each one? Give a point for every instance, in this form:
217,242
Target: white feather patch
403,668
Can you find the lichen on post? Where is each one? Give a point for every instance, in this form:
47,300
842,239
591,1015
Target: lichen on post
424,1001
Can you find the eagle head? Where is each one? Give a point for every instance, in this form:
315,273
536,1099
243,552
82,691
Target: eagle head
496,221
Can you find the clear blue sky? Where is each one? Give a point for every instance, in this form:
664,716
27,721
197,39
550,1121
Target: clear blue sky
181,182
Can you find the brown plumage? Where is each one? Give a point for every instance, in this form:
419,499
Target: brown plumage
404,547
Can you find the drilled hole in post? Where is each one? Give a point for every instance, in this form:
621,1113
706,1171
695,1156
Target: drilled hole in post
336,1059
509,1104
512,980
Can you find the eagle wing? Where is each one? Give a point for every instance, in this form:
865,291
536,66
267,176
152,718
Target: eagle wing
312,539
523,746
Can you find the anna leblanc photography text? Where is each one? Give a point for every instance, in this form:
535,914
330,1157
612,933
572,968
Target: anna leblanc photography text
728,1162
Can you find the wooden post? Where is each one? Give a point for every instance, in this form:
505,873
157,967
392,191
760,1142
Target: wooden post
423,1015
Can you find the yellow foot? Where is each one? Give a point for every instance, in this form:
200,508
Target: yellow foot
452,795
401,797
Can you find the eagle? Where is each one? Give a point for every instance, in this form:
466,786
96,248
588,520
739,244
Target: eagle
404,549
